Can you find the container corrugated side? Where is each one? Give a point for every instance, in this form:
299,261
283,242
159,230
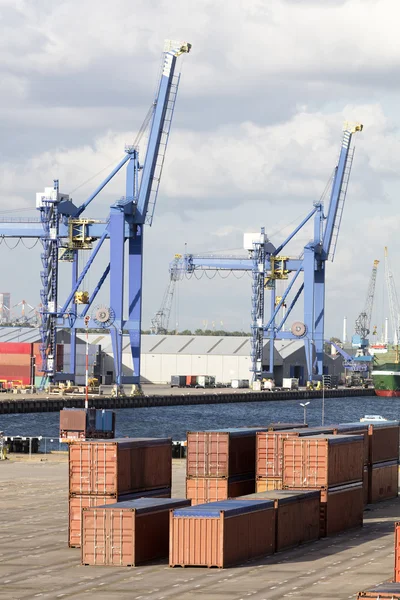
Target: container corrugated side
221,540
119,466
211,489
128,533
221,453
383,481
297,516
366,485
397,552
268,483
78,503
351,429
342,508
322,461
384,443
72,420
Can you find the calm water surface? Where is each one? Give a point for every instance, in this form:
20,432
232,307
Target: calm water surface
175,421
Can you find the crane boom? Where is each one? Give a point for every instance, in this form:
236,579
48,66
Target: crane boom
160,321
339,191
363,321
394,308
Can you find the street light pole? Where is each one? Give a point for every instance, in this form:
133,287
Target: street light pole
305,411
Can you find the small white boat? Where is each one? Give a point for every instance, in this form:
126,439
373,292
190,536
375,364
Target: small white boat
372,418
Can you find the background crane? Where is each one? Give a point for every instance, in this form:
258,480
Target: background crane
363,321
160,321
394,307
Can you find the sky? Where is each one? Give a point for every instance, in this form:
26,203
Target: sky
256,135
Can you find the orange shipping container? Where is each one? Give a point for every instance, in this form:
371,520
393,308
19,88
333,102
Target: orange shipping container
114,467
128,533
383,481
397,552
366,485
384,442
221,453
221,534
297,515
322,461
78,503
385,591
342,508
355,429
269,448
201,490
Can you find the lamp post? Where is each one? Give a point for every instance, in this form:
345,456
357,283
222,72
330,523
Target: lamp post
305,411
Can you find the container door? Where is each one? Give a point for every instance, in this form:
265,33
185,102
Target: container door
94,550
121,538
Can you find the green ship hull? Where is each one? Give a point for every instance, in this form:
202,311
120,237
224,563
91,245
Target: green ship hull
386,382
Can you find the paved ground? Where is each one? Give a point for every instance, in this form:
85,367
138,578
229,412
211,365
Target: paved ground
35,561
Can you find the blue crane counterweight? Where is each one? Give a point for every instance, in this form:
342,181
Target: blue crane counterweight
268,266
64,231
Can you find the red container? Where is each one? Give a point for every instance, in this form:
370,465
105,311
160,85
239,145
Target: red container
190,380
128,533
355,429
385,591
201,490
366,485
16,374
221,534
269,449
384,442
15,360
16,348
78,503
342,508
221,453
114,467
73,420
322,461
397,552
297,516
383,481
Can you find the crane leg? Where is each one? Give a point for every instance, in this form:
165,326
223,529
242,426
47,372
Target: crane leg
135,301
309,260
117,240
72,368
319,311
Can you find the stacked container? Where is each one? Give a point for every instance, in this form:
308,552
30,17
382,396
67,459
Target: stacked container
81,424
222,534
332,464
385,591
269,454
297,515
108,471
383,460
127,533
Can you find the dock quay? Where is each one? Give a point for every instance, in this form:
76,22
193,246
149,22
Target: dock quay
37,562
16,403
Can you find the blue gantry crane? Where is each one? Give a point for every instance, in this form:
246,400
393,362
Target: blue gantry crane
64,229
268,265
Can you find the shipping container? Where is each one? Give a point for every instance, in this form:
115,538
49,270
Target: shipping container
384,441
366,485
239,383
322,461
222,534
73,420
221,453
264,484
342,508
190,380
178,381
290,383
201,490
86,423
280,426
385,591
16,348
269,448
127,533
383,481
355,429
297,516
397,552
121,466
78,503
15,360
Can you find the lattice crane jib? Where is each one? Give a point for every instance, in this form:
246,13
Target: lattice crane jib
363,321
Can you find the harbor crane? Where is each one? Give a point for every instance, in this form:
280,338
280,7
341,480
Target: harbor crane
363,321
64,229
394,306
160,321
269,264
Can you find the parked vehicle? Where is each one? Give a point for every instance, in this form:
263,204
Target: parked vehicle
290,383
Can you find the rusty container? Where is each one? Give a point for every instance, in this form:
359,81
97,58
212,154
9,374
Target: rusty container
383,481
78,503
283,426
73,421
129,533
269,448
366,485
397,552
121,466
221,534
202,490
297,515
264,484
322,461
221,453
384,441
342,508
385,591
355,429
